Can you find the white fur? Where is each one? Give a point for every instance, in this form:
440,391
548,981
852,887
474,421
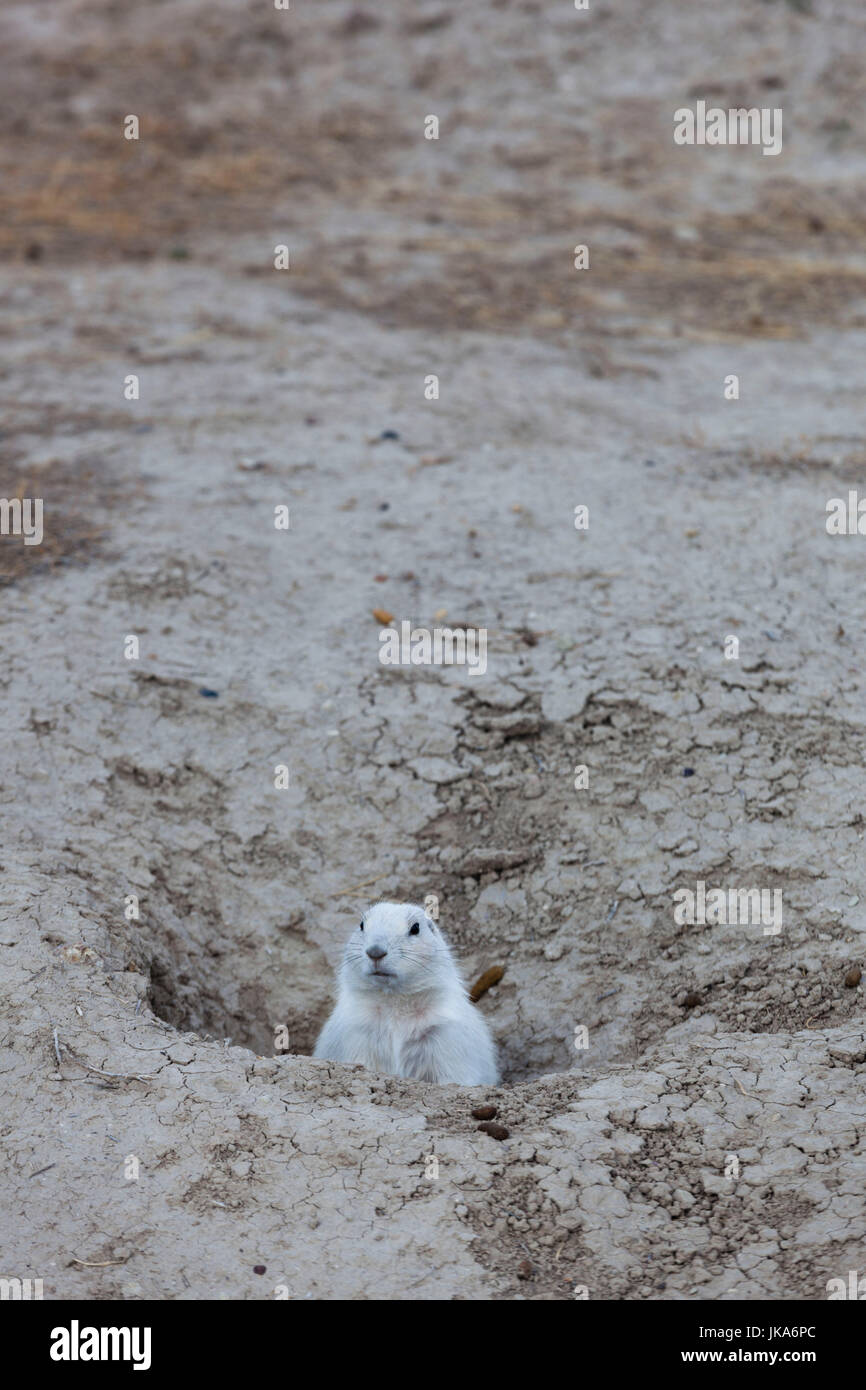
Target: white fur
415,1021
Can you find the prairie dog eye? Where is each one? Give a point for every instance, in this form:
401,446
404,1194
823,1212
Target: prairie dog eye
414,929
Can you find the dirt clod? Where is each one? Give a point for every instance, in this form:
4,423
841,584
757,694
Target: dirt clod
496,1131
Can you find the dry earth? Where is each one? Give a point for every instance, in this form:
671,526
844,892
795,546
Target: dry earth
155,1038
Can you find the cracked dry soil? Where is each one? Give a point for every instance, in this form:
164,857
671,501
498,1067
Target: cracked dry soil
155,1037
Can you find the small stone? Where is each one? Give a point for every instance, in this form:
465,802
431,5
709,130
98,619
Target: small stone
852,979
259,1269
208,694
484,1112
688,772
494,1130
525,1270
692,999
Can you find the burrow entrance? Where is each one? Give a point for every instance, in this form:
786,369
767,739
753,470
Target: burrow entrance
570,890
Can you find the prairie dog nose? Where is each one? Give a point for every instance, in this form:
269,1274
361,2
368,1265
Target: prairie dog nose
376,952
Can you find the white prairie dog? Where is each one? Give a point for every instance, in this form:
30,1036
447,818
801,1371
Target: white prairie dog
402,1007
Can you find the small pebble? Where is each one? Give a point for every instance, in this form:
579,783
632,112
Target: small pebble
390,434
484,1112
691,1000
852,979
259,1269
208,694
525,1270
494,1130
688,772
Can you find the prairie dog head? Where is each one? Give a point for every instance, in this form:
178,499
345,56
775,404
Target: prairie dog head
397,949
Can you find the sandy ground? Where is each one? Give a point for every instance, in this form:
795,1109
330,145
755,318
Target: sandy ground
708,1142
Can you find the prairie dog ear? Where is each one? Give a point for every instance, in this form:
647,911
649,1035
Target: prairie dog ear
418,917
